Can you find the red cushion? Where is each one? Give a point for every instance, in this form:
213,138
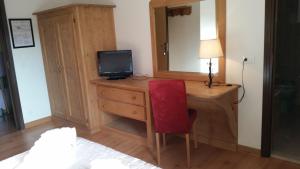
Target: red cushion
169,106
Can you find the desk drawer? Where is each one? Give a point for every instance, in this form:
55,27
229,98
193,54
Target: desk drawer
123,109
125,96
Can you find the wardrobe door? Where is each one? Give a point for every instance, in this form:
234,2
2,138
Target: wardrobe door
53,66
67,41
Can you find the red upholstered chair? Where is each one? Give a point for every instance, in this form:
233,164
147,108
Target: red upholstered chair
170,112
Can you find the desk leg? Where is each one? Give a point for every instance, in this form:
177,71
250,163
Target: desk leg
150,132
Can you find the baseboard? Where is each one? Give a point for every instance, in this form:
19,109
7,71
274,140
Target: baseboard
228,146
240,148
285,159
217,143
250,150
81,129
38,122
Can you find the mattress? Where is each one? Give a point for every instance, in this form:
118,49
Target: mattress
86,152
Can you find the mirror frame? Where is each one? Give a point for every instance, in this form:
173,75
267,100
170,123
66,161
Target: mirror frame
221,33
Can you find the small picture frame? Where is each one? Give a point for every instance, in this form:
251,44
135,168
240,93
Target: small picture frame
21,33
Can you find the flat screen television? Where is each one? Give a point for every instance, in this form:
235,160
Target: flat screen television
115,64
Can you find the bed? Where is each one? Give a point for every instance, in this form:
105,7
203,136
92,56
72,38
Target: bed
86,152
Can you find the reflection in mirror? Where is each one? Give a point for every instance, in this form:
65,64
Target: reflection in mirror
179,30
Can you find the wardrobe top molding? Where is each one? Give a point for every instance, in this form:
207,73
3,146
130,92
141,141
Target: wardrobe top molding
72,6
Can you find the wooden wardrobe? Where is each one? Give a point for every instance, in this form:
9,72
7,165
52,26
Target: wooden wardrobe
70,38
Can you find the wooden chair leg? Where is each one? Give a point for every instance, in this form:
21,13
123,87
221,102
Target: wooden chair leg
164,140
188,152
195,136
158,148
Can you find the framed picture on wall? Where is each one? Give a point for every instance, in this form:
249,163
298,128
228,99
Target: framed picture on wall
21,33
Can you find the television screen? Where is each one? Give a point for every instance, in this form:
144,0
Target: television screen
115,63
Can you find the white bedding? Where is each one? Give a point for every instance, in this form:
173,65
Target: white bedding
86,152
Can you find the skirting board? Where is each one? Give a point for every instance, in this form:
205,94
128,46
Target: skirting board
226,146
231,147
240,148
217,143
250,150
38,122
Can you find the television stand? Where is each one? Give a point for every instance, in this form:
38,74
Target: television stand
116,77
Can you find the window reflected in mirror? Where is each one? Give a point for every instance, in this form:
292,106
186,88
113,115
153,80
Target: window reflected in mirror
179,30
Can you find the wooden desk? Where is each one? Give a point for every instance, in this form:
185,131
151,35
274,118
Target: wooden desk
217,113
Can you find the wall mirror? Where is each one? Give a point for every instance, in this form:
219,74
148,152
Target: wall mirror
177,28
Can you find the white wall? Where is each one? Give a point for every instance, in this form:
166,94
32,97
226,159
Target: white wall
185,33
208,24
184,41
245,37
132,20
208,30
28,61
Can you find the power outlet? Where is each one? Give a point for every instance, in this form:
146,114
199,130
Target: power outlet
248,60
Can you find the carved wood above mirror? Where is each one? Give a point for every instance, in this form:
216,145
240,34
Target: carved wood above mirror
177,26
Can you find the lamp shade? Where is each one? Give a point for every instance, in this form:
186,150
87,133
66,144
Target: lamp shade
210,49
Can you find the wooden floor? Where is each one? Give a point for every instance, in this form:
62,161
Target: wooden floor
173,156
6,126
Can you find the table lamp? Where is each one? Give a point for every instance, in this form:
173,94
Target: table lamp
210,49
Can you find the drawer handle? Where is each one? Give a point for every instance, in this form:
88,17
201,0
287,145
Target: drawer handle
134,112
133,97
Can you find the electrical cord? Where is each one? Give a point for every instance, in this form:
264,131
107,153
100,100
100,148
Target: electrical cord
243,84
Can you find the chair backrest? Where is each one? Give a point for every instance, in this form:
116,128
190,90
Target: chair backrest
169,106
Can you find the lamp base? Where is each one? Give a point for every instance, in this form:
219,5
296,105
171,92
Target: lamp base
215,84
210,76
